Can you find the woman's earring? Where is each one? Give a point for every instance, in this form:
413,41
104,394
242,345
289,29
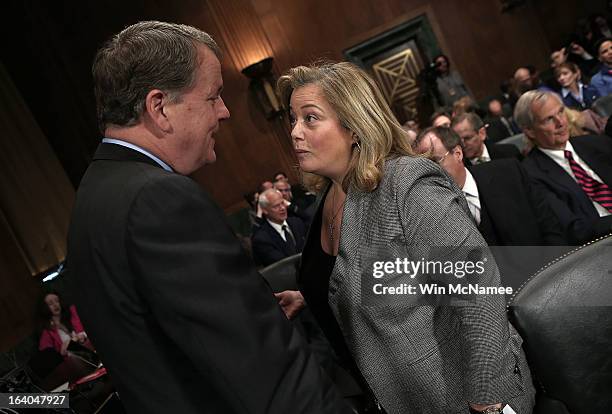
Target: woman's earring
356,144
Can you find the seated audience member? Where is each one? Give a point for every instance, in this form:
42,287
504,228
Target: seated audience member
576,94
265,185
463,105
602,80
441,118
501,201
449,83
296,208
574,53
61,325
498,125
473,134
574,175
278,236
584,122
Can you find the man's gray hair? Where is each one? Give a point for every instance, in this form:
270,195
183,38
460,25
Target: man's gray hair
145,56
282,182
263,200
523,111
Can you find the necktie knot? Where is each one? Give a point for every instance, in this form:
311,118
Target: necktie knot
289,239
568,155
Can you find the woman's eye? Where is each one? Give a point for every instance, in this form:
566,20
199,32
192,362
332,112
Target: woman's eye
310,118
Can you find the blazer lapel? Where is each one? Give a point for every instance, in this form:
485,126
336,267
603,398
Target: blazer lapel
558,175
597,161
276,238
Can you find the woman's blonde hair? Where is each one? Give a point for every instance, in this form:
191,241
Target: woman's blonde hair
362,109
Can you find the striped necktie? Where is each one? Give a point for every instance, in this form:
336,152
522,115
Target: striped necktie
598,192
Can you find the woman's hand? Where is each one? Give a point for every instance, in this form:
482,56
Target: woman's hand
291,301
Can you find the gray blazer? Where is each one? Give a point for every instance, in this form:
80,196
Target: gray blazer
422,358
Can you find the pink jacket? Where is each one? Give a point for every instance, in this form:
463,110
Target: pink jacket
50,338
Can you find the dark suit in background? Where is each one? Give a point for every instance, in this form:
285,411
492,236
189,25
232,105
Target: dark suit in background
179,316
269,246
514,215
498,151
573,208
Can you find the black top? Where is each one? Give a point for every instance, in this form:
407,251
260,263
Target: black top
313,281
314,285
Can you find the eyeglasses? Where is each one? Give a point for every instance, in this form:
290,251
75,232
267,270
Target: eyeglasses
439,161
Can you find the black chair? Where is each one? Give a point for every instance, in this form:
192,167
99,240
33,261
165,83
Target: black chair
282,275
603,106
564,314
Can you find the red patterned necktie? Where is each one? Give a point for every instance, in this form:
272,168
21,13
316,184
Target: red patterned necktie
598,192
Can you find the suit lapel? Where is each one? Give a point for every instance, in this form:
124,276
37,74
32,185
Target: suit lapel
276,238
108,151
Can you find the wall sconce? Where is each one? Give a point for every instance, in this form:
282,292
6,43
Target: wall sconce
261,77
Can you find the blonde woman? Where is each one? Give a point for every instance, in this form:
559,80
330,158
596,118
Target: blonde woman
377,200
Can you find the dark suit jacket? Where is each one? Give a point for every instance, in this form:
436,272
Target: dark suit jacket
571,205
514,214
178,314
498,151
269,246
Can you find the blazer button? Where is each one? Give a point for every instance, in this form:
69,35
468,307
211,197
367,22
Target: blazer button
517,370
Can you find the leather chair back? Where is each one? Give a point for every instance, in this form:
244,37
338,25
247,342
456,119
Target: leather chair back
282,275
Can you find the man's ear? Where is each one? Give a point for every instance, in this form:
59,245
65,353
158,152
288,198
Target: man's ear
155,109
528,133
482,133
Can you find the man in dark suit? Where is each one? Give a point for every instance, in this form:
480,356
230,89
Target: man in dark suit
279,235
506,209
177,313
473,133
575,175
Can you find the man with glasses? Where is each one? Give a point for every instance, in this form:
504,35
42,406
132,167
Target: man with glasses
473,134
575,175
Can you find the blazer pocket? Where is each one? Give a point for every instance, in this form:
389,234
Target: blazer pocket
514,368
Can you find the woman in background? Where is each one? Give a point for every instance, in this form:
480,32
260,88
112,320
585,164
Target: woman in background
576,95
61,325
378,201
